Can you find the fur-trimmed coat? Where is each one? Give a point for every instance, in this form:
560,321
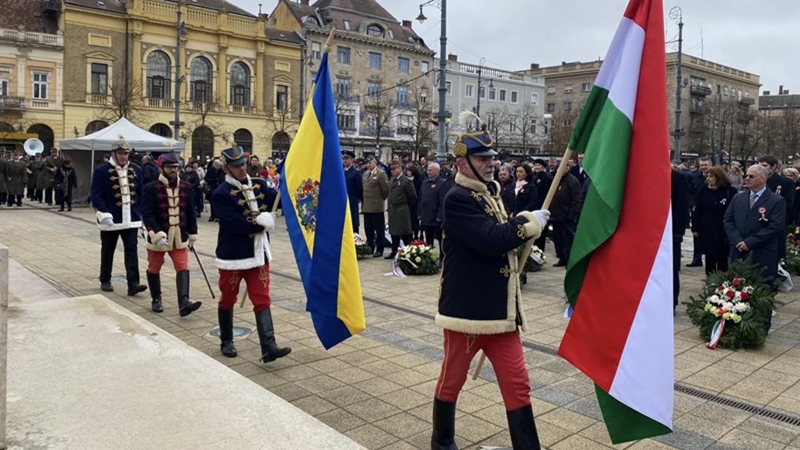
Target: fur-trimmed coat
116,194
480,290
168,212
244,221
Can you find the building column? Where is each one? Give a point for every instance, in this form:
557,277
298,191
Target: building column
136,76
260,81
184,88
22,81
59,85
222,69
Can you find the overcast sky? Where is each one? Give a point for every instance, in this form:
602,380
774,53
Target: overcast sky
755,37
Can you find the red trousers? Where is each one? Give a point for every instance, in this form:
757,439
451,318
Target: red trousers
503,350
257,280
180,259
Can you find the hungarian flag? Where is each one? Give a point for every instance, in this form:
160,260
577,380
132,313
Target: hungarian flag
619,276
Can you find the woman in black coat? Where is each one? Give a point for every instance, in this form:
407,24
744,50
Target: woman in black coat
707,220
413,173
525,192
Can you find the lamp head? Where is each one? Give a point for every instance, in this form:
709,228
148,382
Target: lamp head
421,16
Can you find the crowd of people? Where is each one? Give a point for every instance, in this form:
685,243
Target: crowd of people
36,179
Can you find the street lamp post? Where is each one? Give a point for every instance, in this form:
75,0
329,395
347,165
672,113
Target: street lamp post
676,13
480,85
180,31
719,126
441,117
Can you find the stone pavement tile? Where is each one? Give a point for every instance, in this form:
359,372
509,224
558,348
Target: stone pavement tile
720,446
399,445
567,420
408,360
788,404
249,369
599,433
290,392
388,351
720,414
539,375
329,365
322,383
575,386
358,358
554,396
372,409
340,420
743,439
685,440
345,396
586,406
382,367
314,405
750,357
470,402
268,380
541,407
377,386
714,379
785,365
576,442
298,372
769,430
759,392
702,426
351,375
408,378
362,343
501,439
422,440
495,414
475,429
405,399
490,391
425,412
427,388
403,425
730,365
649,444
431,369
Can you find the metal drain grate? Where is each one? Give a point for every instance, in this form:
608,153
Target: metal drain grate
742,406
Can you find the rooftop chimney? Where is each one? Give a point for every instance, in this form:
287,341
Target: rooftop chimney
452,57
786,92
766,93
534,66
780,90
304,2
407,23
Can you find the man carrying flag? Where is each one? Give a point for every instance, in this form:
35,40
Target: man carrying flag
480,304
318,219
243,207
620,334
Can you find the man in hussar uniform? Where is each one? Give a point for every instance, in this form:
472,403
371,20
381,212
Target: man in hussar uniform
116,196
168,215
480,305
243,206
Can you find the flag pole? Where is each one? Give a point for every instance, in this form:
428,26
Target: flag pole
329,42
562,169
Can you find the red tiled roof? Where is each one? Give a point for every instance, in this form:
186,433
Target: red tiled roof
29,14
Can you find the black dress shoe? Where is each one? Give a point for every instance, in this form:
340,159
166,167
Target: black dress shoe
377,254
695,264
560,263
390,255
107,287
211,219
135,289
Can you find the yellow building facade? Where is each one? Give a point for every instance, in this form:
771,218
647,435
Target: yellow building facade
236,79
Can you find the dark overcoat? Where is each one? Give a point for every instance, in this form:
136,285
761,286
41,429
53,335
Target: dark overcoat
355,192
401,197
760,227
525,199
431,201
709,212
17,173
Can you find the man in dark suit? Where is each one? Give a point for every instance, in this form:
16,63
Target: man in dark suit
577,170
680,215
355,186
782,186
431,205
755,223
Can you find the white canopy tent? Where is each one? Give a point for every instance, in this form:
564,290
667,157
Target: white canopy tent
100,142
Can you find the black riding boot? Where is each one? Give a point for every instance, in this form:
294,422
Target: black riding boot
444,425
523,429
266,335
186,306
154,283
226,332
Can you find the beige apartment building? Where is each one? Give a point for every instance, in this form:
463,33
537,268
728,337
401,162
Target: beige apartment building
381,70
569,84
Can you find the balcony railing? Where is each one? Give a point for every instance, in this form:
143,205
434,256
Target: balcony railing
348,98
371,132
701,90
243,110
12,103
36,103
748,101
100,99
404,104
162,103
405,131
27,36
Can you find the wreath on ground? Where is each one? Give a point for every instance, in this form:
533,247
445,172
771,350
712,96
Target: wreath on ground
733,307
417,258
792,261
534,262
363,249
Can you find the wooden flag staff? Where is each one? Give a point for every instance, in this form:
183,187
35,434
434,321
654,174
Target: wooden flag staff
562,169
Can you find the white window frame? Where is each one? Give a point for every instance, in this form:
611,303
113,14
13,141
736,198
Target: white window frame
39,84
347,25
4,82
426,67
492,94
316,50
586,87
568,106
514,97
534,99
469,90
568,89
449,86
503,95
407,61
551,91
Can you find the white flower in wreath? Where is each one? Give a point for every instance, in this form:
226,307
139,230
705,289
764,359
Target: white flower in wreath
727,306
713,299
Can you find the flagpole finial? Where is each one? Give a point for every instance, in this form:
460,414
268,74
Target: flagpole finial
329,42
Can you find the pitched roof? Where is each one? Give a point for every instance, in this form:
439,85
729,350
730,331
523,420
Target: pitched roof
370,7
115,6
118,6
28,14
283,36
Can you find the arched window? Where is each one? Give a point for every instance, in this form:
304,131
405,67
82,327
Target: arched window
6,128
240,84
280,144
202,143
375,30
158,75
244,139
45,135
94,127
201,80
162,130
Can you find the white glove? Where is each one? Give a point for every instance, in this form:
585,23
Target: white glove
107,221
543,215
162,242
265,220
191,245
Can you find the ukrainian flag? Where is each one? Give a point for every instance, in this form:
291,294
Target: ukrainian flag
318,219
